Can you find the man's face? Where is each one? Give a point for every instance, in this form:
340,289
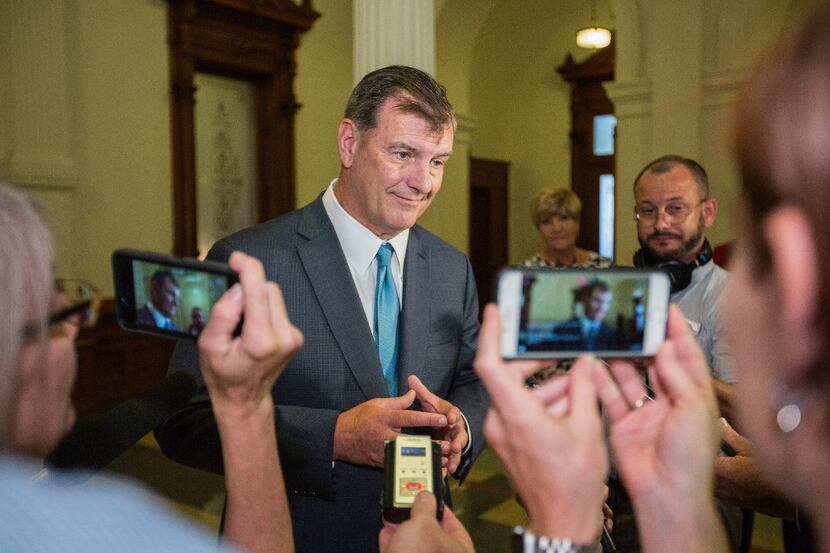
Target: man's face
672,215
392,172
597,304
165,298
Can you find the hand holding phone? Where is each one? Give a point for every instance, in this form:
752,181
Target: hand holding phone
561,313
240,369
166,295
239,373
550,439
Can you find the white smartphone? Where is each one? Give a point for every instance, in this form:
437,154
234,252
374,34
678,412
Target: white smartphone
561,313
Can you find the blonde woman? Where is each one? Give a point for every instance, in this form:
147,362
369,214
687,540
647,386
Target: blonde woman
555,213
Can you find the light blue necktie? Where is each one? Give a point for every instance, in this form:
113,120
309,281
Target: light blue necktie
593,332
387,310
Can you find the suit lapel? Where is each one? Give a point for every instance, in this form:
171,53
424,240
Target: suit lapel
415,313
330,277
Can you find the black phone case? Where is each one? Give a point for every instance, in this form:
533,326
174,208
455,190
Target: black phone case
125,294
398,514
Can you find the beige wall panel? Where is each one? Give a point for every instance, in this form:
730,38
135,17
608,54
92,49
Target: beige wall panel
522,105
323,83
124,196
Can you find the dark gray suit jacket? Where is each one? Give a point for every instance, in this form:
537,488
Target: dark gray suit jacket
337,508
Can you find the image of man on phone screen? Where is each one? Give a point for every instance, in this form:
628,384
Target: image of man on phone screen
164,300
586,330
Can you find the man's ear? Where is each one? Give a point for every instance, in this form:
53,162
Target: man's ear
710,211
795,274
347,139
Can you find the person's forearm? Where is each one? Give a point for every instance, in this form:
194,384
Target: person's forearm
257,517
738,481
689,524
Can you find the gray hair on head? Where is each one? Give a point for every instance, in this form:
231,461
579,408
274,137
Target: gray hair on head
417,93
26,284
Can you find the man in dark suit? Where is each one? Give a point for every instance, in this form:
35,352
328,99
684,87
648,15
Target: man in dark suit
368,368
164,300
586,331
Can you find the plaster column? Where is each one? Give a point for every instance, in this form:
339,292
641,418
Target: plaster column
36,139
633,108
389,32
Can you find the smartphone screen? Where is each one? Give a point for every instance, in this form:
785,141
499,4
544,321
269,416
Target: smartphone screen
561,313
166,295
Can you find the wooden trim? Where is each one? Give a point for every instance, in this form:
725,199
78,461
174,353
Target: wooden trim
250,40
115,365
588,98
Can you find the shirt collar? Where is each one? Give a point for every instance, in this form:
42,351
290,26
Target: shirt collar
360,245
160,319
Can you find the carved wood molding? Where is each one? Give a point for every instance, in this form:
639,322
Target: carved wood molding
250,40
599,66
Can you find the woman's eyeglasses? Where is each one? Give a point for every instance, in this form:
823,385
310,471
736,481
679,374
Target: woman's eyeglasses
81,300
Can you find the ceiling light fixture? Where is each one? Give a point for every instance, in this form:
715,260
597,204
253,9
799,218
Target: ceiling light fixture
593,37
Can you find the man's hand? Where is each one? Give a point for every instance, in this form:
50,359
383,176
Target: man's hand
739,481
549,439
667,444
665,447
454,436
239,371
423,534
360,432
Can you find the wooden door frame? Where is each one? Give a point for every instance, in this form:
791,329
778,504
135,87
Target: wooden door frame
253,42
588,98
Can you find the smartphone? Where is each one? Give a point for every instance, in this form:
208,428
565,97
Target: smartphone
412,464
166,295
551,313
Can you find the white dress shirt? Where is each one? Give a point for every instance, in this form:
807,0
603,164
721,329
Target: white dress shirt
161,320
360,245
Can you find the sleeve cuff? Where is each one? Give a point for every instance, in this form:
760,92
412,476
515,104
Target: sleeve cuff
469,436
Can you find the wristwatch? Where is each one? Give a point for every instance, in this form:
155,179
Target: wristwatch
525,541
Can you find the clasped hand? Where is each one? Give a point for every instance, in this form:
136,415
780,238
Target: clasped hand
360,432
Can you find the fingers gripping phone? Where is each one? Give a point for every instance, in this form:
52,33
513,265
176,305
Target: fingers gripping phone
166,295
560,313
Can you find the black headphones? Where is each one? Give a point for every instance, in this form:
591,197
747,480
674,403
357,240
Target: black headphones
680,274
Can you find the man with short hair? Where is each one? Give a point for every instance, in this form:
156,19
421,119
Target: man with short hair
673,209
389,313
587,329
164,300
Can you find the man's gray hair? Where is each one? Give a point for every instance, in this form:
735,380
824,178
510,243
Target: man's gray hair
417,93
26,284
